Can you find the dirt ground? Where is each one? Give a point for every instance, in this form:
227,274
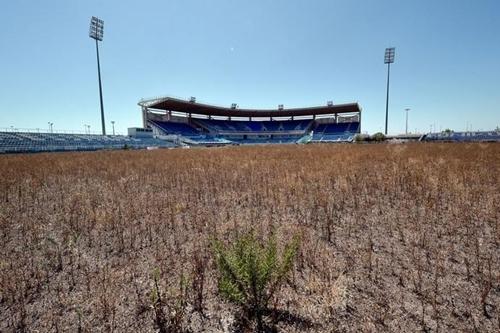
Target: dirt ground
394,238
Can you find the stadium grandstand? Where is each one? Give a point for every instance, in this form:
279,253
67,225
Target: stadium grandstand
172,122
34,142
194,123
468,136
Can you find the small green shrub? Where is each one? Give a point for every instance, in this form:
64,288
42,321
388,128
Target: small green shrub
378,137
361,137
251,271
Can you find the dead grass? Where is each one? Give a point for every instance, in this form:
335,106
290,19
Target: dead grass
394,237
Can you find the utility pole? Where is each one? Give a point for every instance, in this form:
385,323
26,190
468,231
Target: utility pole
407,109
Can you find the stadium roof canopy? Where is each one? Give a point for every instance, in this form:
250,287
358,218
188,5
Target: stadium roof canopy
179,105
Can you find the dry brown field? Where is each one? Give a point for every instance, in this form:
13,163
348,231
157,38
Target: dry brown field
394,238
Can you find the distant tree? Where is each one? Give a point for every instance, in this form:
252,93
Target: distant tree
361,137
447,131
379,137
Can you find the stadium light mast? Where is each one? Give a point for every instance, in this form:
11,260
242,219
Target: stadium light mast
407,109
388,59
113,123
96,32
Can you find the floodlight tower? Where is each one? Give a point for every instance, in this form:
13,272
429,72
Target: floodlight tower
388,59
96,32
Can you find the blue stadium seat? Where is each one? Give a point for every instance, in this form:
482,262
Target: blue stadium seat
217,126
464,136
12,142
176,128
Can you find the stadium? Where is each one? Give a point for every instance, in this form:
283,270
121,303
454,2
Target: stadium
172,122
194,123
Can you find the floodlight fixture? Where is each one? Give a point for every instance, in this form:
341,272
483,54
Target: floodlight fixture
234,106
192,99
96,30
329,103
390,52
388,59
280,107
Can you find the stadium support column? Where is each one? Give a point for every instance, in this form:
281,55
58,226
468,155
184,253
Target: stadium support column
359,121
144,117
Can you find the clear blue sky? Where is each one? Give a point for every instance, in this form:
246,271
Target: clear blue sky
254,53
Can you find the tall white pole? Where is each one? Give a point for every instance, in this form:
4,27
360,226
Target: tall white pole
406,131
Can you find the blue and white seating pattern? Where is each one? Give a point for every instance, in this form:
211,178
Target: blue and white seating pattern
212,131
13,142
340,132
254,126
208,140
176,128
464,136
187,133
273,140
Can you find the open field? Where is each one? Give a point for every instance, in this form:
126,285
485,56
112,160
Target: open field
394,238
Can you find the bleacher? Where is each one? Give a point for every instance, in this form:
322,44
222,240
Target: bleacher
206,140
259,140
257,132
176,128
335,132
17,142
187,133
218,132
484,136
333,138
223,126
